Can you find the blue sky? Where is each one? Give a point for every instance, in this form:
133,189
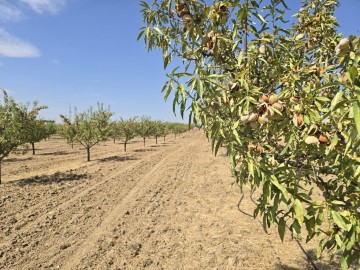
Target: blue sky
78,52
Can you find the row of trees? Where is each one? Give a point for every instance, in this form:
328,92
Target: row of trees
20,125
283,96
91,127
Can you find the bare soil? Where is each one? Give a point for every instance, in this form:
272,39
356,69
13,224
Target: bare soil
168,206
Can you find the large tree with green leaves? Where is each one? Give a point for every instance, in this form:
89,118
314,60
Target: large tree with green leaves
14,123
91,127
284,97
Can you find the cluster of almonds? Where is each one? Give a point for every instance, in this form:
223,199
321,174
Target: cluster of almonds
183,11
316,136
256,146
209,41
342,47
267,108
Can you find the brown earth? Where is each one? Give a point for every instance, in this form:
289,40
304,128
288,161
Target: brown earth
166,207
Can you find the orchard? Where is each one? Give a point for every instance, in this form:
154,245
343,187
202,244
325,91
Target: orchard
282,96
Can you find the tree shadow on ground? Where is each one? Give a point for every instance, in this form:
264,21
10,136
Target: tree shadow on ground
117,158
320,264
57,153
57,177
16,159
145,150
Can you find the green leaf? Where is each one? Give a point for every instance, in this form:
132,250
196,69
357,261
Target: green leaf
281,228
200,87
299,211
356,109
276,183
336,99
291,139
339,220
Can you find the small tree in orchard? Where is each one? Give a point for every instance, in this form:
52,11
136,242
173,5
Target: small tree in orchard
13,125
156,130
67,129
283,97
50,128
91,127
164,130
128,130
144,127
35,130
114,130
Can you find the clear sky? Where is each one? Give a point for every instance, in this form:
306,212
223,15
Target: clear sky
78,52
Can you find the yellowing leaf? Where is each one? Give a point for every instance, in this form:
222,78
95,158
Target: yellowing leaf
299,211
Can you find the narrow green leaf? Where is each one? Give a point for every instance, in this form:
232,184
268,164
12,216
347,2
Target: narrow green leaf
276,183
291,139
336,99
281,228
299,211
339,220
356,108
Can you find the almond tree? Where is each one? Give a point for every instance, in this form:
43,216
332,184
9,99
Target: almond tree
13,124
144,127
67,129
284,97
157,130
128,130
91,127
35,130
164,130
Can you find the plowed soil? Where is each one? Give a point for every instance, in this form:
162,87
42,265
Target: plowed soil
166,206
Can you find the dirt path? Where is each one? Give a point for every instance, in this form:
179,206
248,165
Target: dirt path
165,208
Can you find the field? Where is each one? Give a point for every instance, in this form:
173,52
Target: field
167,206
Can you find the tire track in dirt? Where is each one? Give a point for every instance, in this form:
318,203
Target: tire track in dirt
87,188
88,169
95,190
136,194
76,157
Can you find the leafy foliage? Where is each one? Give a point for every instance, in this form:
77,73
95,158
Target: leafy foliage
15,121
128,130
284,99
90,127
145,127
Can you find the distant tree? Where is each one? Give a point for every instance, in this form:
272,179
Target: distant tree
67,130
114,130
91,127
145,127
156,129
164,130
13,125
35,130
128,130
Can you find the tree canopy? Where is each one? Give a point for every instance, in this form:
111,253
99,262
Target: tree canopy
284,97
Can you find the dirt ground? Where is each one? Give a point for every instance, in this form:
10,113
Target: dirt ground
168,206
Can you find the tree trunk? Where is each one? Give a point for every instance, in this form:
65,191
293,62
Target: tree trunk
33,148
72,145
164,138
125,146
0,171
114,140
156,139
144,141
88,153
